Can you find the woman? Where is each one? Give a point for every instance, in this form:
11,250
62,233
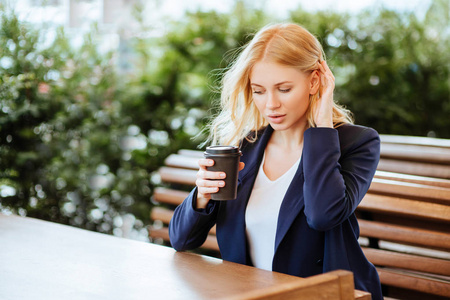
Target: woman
304,170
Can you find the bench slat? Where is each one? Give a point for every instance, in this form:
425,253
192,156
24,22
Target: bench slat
414,168
407,280
436,194
407,235
182,161
414,140
169,196
411,190
404,207
175,175
161,214
417,153
160,233
406,261
191,153
428,181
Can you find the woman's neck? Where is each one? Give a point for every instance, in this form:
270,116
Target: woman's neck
290,139
283,150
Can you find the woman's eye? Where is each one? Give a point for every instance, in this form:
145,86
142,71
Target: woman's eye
284,90
257,92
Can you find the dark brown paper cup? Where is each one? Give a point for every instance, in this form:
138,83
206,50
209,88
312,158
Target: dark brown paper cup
226,159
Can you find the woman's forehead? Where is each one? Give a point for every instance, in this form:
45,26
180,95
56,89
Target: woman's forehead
268,72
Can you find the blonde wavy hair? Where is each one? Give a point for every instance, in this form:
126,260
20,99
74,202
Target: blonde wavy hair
287,44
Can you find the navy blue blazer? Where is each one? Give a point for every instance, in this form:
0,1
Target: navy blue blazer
317,230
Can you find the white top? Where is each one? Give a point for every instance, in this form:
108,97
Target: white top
261,216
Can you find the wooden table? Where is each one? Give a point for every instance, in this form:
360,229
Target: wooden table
44,260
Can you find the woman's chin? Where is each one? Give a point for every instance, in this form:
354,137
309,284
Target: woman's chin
278,126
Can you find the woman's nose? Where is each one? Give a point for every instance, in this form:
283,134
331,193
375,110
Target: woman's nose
272,101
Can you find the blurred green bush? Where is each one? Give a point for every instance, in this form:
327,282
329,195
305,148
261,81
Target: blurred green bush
80,141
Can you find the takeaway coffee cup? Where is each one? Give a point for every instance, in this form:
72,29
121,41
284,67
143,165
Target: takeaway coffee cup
226,159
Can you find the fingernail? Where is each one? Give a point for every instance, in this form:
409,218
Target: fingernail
222,175
221,183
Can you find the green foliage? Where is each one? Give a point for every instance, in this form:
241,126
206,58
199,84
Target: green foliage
63,136
403,87
391,69
80,140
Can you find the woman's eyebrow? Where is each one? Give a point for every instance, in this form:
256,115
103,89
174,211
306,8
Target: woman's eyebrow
276,84
283,82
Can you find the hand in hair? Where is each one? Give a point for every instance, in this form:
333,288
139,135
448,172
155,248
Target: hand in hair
324,112
207,182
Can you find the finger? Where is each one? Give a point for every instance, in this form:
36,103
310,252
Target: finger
241,166
327,78
209,183
203,174
206,192
325,72
203,163
327,68
323,80
324,67
321,68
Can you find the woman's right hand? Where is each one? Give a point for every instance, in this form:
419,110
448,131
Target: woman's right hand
207,181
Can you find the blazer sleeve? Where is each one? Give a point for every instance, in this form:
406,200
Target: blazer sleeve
336,179
189,228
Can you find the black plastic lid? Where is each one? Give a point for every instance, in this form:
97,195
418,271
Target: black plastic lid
222,150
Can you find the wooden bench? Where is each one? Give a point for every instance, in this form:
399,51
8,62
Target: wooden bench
404,218
331,285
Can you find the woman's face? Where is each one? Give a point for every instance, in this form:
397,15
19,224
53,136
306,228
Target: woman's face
281,94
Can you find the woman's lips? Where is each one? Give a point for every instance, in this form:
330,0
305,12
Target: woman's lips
276,118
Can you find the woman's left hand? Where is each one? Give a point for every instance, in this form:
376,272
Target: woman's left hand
323,116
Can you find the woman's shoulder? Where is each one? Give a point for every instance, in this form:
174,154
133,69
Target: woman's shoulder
351,135
354,130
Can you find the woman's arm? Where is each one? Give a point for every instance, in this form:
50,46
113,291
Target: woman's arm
336,182
193,219
189,226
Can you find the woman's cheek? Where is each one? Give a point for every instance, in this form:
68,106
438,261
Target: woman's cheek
259,102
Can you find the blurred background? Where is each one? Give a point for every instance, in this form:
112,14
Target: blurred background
94,94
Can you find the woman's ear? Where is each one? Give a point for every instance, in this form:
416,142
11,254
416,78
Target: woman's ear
314,82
